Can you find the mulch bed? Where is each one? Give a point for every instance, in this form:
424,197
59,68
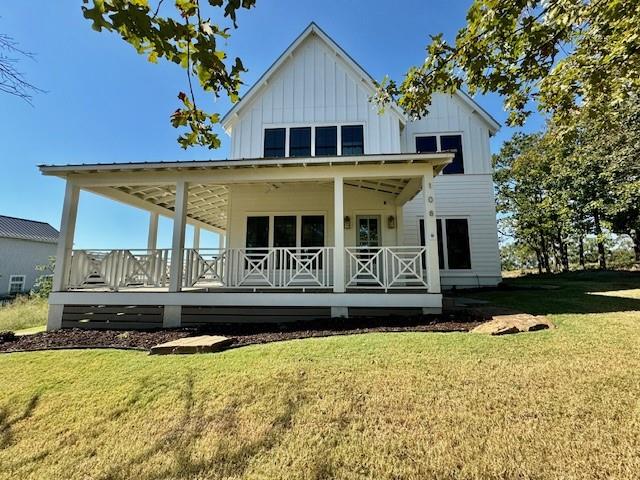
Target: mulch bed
249,334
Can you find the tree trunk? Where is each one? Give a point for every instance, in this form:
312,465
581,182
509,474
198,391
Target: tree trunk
636,245
563,252
581,252
544,251
602,254
539,260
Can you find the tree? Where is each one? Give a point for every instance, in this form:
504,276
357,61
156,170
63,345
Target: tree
185,35
12,81
558,53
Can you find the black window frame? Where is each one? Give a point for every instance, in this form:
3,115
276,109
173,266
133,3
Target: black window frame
303,150
330,150
450,251
355,147
280,151
457,166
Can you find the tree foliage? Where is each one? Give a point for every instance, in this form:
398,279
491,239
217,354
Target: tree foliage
559,53
185,35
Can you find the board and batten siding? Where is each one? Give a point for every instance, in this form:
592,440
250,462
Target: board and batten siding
314,86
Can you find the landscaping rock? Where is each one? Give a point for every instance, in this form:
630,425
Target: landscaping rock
513,323
200,344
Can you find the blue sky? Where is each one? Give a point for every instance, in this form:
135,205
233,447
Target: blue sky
106,103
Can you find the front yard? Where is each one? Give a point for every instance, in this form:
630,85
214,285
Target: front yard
563,403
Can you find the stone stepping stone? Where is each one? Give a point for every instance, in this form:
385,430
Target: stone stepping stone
187,345
513,323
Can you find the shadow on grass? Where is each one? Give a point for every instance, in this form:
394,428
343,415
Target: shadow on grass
227,457
7,423
574,292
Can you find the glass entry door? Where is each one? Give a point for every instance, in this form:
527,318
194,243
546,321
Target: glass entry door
368,230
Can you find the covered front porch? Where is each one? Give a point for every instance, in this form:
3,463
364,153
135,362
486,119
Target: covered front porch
303,233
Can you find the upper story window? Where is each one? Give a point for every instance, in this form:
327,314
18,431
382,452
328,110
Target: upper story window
321,141
326,141
439,143
352,140
274,142
300,142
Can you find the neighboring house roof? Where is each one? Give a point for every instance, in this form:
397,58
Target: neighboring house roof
314,29
11,227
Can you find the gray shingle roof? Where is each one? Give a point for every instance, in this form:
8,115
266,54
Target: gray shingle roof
11,227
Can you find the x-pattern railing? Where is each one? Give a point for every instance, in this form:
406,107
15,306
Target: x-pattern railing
386,267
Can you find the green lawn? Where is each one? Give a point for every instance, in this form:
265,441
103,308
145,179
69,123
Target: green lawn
554,404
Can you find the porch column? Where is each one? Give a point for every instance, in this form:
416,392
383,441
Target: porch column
64,250
177,243
222,240
431,233
338,232
196,238
152,238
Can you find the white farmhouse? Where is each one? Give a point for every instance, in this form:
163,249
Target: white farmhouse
325,207
24,246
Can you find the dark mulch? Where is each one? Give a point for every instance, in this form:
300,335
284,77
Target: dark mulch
248,334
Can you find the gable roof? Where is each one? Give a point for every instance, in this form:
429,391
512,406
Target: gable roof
314,29
23,229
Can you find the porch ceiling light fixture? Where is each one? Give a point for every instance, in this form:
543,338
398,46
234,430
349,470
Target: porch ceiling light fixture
347,222
391,222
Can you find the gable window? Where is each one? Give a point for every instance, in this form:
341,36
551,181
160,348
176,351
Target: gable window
326,141
454,252
300,142
16,284
274,142
352,140
440,143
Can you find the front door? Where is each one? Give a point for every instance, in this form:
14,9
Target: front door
368,230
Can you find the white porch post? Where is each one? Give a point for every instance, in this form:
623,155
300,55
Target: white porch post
431,233
63,253
338,253
222,240
152,238
173,313
196,238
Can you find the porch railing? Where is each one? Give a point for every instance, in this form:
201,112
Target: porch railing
365,267
260,267
114,269
386,267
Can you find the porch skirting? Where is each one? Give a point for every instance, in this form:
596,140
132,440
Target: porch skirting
120,310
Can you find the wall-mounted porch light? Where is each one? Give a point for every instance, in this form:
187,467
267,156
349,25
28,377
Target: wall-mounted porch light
391,222
347,222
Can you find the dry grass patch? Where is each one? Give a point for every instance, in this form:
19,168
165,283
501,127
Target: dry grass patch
22,313
552,404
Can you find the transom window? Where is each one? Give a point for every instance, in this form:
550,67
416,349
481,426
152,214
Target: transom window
454,252
439,143
320,141
16,284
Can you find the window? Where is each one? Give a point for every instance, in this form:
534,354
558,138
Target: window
453,142
439,143
326,141
427,144
284,231
312,231
455,237
16,284
274,140
300,142
352,140
257,232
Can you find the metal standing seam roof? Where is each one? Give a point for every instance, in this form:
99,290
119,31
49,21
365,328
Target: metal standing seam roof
20,228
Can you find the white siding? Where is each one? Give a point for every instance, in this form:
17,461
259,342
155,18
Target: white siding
463,196
314,87
20,257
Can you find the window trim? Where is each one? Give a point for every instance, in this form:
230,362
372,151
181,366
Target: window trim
338,125
445,249
22,283
439,146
